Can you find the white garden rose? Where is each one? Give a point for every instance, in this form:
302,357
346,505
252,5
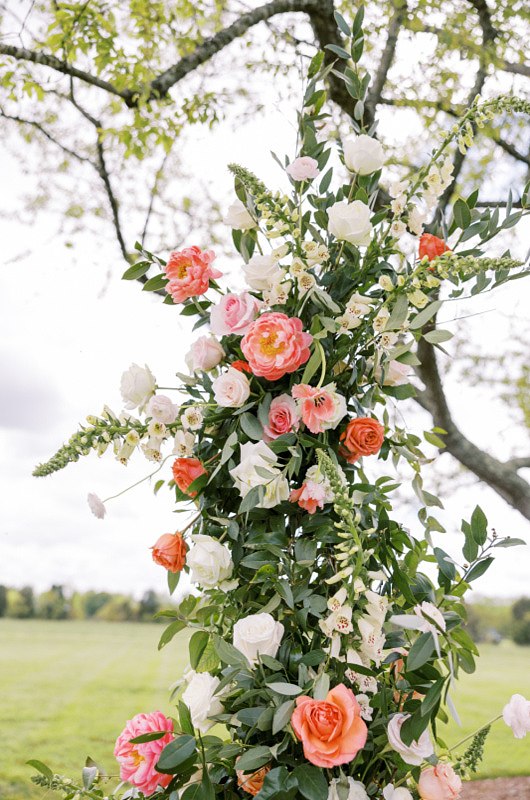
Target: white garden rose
262,272
416,752
363,154
396,793
276,492
516,714
356,790
204,354
252,456
350,222
209,561
258,635
238,217
161,409
202,701
231,389
137,385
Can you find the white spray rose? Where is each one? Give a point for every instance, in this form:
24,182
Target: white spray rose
161,409
363,154
204,354
209,561
356,790
350,222
238,217
253,455
231,389
516,714
258,635
414,753
262,272
137,385
202,701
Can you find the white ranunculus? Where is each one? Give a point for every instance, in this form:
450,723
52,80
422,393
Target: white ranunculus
356,790
350,222
396,793
516,714
231,389
238,217
363,154
262,272
161,409
416,752
253,455
258,635
209,561
96,505
204,354
137,385
202,701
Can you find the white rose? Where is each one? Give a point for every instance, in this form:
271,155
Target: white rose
398,793
276,492
414,753
395,373
363,154
253,455
161,409
262,272
137,385
516,714
258,635
238,217
356,790
350,221
303,168
231,389
202,701
209,561
183,444
204,354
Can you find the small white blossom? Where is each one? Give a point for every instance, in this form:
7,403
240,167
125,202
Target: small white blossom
183,445
96,505
192,418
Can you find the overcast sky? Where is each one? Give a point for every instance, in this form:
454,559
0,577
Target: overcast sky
67,336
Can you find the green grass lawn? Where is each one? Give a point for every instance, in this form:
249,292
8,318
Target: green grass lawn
67,689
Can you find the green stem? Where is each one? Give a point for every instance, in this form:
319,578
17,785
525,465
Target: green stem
133,486
471,735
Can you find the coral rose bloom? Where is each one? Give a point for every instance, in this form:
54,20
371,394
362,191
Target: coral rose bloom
185,471
252,783
189,272
170,552
275,344
137,761
439,783
363,437
331,730
431,246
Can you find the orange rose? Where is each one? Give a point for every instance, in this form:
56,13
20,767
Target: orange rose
170,551
241,366
363,437
252,783
331,730
185,471
431,247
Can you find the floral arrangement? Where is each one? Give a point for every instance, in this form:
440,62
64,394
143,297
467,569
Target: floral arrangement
322,656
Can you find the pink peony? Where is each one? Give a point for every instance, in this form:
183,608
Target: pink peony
303,168
137,761
283,417
310,496
439,783
189,272
321,409
276,344
234,313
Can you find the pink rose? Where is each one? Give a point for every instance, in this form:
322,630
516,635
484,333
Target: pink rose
161,409
137,761
439,783
283,417
310,496
189,272
304,168
234,313
231,389
321,409
276,344
204,354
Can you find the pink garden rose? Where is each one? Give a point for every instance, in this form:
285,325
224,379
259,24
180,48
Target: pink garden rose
234,313
439,783
189,272
283,417
137,761
321,409
231,388
331,730
276,344
310,496
303,168
204,354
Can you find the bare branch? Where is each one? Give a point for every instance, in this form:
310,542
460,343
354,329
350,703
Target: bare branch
37,125
154,192
518,69
387,57
519,463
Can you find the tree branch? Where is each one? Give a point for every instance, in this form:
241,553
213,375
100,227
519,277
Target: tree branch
380,78
37,125
518,463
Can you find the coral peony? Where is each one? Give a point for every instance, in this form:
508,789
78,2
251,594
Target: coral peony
189,272
331,730
137,761
185,471
439,783
431,247
170,551
276,344
253,783
363,437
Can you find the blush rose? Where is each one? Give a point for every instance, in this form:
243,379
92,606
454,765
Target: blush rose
439,783
283,417
234,313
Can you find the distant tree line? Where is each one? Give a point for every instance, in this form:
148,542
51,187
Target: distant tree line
492,620
59,604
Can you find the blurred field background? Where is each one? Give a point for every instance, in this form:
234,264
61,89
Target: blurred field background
69,686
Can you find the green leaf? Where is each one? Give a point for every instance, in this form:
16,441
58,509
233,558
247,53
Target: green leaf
251,426
433,439
254,758
40,767
425,315
176,753
420,652
197,646
282,716
358,20
342,24
437,336
173,579
312,365
311,782
462,214
185,719
148,737
338,51
170,632
251,499
88,776
136,271
479,526
289,689
399,313
478,569
229,654
509,542
155,284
